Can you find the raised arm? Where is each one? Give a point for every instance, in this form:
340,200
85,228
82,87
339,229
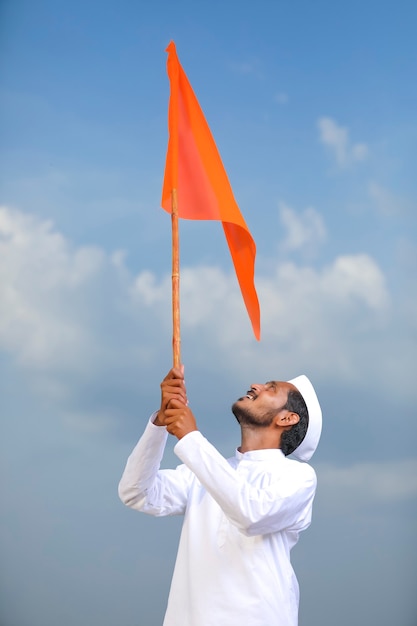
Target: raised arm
143,485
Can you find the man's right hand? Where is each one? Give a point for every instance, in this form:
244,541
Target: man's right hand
172,387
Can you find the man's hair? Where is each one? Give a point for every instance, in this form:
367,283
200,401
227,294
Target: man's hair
291,439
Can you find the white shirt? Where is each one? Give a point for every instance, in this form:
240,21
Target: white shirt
242,516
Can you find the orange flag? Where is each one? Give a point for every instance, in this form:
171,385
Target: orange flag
194,168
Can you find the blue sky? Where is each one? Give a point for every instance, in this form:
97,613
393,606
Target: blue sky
313,108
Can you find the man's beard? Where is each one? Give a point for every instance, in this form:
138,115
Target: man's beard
245,417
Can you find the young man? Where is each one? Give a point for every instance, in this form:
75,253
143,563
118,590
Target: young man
243,515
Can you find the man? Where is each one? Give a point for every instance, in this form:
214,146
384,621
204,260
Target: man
243,515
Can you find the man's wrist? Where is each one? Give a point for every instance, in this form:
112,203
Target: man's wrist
157,421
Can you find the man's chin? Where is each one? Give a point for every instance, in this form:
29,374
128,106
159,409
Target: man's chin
236,409
244,416
239,411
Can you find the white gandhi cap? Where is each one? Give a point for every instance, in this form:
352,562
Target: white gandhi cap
306,449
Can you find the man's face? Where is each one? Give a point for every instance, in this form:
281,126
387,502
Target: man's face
261,403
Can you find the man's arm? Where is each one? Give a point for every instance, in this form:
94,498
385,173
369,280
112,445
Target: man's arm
144,486
256,509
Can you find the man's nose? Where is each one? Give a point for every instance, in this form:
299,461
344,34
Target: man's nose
257,386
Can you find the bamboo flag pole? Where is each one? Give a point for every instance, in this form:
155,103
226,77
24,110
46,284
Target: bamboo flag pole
176,333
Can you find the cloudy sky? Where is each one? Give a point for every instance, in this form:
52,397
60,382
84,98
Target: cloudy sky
313,108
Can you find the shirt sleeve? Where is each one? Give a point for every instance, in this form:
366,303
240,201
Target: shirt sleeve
284,503
144,487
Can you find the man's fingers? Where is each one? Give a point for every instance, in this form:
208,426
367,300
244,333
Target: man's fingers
174,396
175,373
173,389
179,419
176,411
176,403
173,385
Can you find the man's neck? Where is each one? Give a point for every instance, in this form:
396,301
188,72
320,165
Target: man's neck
258,439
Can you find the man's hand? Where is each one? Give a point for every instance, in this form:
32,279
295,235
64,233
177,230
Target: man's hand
179,419
172,388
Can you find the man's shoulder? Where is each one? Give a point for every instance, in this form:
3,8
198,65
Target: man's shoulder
300,468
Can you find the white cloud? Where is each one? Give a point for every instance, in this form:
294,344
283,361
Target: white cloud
37,268
79,315
328,320
145,288
356,277
64,309
304,231
336,138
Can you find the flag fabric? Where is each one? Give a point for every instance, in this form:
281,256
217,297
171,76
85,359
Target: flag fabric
194,168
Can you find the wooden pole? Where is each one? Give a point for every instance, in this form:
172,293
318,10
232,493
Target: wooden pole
176,333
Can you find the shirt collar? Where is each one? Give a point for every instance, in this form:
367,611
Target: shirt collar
261,455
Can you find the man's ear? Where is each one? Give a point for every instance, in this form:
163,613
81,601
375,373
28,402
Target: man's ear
289,419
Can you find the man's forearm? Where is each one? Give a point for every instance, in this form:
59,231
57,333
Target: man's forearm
142,465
